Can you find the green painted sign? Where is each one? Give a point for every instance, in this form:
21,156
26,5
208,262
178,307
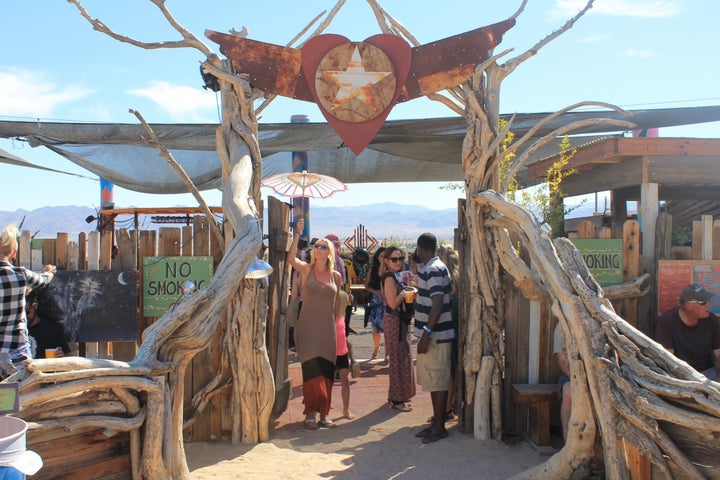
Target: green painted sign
164,277
9,398
603,256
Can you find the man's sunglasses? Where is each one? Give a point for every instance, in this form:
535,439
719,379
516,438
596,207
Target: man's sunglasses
697,301
321,246
395,259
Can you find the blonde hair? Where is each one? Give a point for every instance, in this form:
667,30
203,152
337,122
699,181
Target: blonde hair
331,254
8,239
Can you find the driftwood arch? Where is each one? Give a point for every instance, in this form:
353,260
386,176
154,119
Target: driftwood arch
623,384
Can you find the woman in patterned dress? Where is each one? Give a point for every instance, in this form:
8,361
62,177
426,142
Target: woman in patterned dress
401,381
377,303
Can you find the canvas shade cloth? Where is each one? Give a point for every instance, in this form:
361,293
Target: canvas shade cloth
420,150
304,184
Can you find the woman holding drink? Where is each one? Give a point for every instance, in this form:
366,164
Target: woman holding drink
401,381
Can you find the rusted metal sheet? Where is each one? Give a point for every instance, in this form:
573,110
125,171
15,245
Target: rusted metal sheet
434,66
449,62
271,68
356,84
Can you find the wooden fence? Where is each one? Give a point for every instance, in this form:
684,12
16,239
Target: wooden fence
529,326
89,453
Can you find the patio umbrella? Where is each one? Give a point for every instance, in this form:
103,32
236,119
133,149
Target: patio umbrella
304,184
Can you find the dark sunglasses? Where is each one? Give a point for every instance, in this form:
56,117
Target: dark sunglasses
395,259
321,246
697,301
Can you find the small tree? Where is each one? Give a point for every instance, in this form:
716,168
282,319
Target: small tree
545,200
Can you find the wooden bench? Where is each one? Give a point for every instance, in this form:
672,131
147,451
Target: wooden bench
539,398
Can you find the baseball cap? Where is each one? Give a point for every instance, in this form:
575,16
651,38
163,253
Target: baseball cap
333,238
695,292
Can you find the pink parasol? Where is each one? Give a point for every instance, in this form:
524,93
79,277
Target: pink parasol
304,184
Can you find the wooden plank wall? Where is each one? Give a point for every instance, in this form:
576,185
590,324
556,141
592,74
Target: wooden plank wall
462,245
89,453
278,289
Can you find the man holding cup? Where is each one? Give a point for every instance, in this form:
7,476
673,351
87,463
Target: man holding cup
434,328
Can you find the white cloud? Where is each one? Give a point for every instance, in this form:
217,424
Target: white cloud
182,103
626,8
28,93
633,52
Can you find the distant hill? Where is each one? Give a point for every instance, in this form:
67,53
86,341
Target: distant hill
382,221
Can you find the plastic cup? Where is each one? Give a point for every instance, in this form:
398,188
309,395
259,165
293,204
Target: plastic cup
410,293
49,353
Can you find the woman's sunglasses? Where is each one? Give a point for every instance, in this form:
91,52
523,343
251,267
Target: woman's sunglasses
395,259
321,246
698,302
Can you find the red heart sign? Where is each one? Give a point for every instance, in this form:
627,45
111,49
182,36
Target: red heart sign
356,84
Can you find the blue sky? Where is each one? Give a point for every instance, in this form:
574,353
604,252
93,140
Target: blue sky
633,53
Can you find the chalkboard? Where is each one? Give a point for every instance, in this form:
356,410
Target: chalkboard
93,306
674,275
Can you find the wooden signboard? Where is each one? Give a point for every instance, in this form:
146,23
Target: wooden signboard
9,398
604,258
93,305
164,277
674,275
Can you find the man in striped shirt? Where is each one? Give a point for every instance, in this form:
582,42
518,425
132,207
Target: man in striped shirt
434,328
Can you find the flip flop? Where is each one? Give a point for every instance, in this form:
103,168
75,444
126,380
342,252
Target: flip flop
327,424
434,436
311,424
402,407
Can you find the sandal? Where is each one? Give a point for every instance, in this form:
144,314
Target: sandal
424,432
434,436
401,406
311,424
327,423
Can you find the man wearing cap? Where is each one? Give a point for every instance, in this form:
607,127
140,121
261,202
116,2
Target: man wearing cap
691,332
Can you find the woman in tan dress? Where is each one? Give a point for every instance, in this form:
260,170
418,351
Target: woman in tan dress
315,337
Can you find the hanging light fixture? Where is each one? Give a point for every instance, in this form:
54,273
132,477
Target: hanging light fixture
258,269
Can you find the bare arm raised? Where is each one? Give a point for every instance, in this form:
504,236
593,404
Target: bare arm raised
292,259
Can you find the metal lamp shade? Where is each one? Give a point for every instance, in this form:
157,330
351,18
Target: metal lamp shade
258,269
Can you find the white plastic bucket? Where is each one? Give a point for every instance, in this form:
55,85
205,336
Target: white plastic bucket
13,452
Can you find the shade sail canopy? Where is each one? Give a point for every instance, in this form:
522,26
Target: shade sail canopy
419,150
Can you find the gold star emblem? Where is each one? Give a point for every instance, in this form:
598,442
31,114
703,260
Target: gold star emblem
355,82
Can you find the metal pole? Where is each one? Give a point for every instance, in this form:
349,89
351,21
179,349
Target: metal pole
301,205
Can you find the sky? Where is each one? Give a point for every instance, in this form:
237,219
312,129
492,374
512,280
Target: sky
638,54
